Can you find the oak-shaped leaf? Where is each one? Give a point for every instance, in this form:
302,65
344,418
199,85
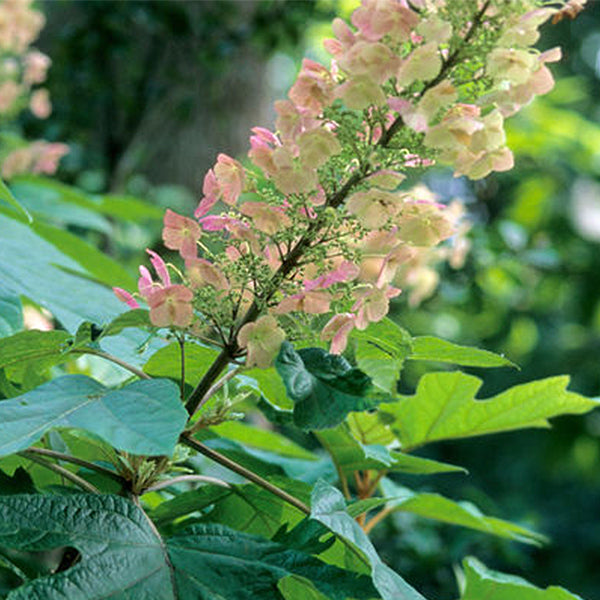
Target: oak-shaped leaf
324,387
122,557
481,582
444,407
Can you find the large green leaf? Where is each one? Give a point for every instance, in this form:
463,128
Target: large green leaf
483,583
144,417
329,508
35,268
7,197
323,386
123,559
463,514
381,350
167,362
350,455
45,348
57,203
262,439
11,315
432,348
444,407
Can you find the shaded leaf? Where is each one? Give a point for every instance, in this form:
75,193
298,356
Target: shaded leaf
122,558
436,349
144,417
444,407
7,197
463,514
351,455
482,582
35,268
11,315
58,203
19,482
262,439
323,386
329,508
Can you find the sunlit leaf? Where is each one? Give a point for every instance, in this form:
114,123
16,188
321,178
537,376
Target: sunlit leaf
444,407
436,349
481,582
464,514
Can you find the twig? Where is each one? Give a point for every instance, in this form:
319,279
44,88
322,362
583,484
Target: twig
217,386
113,359
79,481
182,479
181,340
240,470
382,514
77,461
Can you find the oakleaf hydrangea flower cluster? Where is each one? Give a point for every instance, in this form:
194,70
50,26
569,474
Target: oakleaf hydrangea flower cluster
326,218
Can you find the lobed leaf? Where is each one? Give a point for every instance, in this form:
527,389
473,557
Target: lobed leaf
436,349
481,582
444,407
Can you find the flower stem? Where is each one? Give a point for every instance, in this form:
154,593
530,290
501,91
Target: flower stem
76,461
113,359
240,470
78,481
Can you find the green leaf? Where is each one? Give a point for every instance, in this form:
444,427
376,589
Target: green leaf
167,362
34,268
254,510
128,208
482,582
58,203
187,503
329,508
19,482
444,407
351,455
138,317
269,385
6,196
122,558
262,439
144,417
381,350
98,265
11,315
463,514
40,349
432,348
294,587
323,386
